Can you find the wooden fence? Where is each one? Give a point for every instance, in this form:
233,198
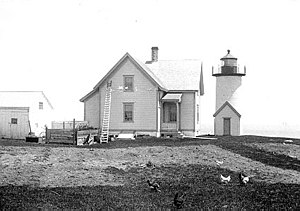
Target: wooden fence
75,136
68,124
61,136
68,136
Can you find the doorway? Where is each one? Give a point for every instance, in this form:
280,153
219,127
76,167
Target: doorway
226,126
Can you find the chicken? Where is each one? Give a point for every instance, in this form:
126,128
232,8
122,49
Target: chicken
149,164
243,178
179,199
219,162
225,179
154,186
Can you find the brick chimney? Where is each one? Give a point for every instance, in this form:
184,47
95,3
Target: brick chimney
154,54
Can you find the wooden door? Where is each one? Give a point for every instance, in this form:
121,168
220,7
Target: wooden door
226,126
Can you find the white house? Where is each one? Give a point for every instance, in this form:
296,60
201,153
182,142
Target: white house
22,112
158,97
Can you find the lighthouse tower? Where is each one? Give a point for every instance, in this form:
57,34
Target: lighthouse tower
228,82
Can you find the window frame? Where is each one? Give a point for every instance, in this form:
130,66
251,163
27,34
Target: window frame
124,83
124,110
14,121
41,105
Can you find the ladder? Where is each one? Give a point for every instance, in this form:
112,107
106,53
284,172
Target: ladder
106,115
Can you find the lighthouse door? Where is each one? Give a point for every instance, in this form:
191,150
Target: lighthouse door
226,126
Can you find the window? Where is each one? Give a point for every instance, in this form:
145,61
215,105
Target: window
14,121
41,105
128,112
128,83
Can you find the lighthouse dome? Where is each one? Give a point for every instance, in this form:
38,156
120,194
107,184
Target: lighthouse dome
229,63
228,56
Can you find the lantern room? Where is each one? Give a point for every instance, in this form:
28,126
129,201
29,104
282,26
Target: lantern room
229,66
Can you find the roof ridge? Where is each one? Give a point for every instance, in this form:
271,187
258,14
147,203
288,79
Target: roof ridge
177,60
40,92
21,91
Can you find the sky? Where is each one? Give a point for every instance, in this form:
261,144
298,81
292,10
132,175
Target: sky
64,47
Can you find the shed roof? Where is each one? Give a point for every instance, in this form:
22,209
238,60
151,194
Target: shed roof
14,108
172,97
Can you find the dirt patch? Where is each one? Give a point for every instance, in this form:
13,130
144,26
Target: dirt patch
291,150
69,167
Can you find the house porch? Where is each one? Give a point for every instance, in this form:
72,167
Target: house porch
170,118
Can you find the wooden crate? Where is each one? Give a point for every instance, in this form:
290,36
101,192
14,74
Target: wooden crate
61,136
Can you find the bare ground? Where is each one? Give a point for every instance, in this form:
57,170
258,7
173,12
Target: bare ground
60,167
67,167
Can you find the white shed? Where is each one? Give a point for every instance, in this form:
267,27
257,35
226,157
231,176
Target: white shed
227,120
39,112
14,122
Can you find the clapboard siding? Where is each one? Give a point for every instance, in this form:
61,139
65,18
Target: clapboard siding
15,131
188,111
197,103
143,97
91,110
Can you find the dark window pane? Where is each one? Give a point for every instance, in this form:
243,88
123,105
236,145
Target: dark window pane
14,121
128,112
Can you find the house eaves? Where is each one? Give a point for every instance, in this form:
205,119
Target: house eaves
181,91
88,95
48,101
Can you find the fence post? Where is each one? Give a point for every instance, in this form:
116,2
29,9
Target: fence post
47,135
46,132
74,132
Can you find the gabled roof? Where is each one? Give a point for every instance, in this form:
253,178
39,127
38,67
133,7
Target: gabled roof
141,66
19,98
181,75
168,75
230,106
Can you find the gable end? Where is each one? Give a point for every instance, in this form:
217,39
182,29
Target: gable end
230,106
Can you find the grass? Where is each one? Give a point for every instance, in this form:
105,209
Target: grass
200,182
